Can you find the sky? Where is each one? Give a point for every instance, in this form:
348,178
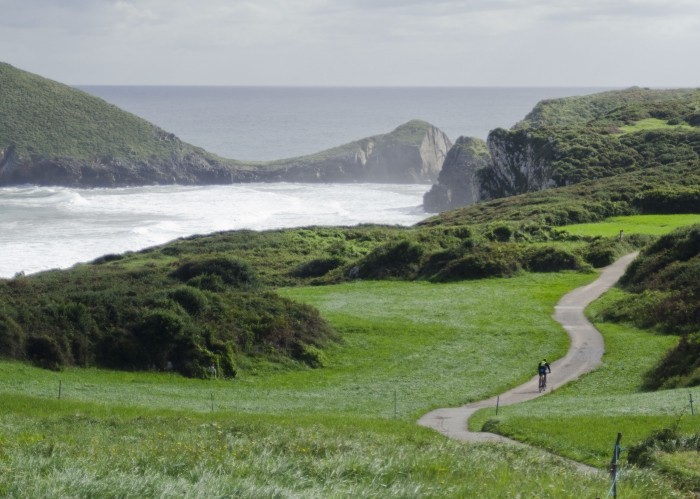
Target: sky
612,43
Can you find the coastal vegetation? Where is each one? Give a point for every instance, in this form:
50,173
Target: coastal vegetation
327,343
345,430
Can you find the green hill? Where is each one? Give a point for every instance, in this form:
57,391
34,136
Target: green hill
575,139
54,134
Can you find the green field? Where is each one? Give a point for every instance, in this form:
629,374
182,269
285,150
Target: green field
329,432
653,124
655,225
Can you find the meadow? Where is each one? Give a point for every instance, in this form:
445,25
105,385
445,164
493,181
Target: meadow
654,225
328,432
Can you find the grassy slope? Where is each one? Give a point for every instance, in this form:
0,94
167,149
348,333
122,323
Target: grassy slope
655,225
316,433
50,119
631,104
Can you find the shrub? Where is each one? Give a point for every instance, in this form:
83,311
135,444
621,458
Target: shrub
678,367
11,338
232,272
551,259
398,259
313,356
649,454
601,252
107,258
121,350
501,233
158,332
477,266
190,298
45,352
318,267
668,200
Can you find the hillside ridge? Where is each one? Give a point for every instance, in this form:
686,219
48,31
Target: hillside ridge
53,134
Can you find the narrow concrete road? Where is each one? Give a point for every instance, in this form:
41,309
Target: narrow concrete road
583,356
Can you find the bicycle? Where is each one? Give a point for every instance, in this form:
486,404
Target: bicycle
543,382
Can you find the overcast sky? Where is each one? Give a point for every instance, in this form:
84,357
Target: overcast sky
356,42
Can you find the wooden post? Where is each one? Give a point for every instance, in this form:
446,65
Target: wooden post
212,402
59,389
692,412
614,465
498,401
395,406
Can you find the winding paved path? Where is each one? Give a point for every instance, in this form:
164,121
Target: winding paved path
583,356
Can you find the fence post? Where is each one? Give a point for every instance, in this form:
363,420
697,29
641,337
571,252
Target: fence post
59,389
212,401
692,412
614,465
395,406
498,401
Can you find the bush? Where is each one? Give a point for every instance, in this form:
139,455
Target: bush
551,259
668,441
501,233
400,259
158,332
318,267
668,200
107,258
232,272
680,366
11,338
190,298
313,356
602,252
45,352
477,266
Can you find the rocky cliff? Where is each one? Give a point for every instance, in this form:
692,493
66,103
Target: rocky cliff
459,181
413,153
571,140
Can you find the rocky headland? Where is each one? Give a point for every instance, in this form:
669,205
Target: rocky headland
566,141
53,134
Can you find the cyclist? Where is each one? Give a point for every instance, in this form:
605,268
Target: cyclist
542,369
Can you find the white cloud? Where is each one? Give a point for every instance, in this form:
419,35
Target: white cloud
370,42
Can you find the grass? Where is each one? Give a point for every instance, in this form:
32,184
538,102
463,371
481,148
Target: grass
52,449
582,419
655,225
310,433
653,124
428,342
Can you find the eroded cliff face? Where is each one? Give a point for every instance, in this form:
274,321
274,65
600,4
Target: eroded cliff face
459,181
510,162
520,163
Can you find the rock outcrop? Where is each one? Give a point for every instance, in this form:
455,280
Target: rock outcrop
520,163
571,140
459,181
413,153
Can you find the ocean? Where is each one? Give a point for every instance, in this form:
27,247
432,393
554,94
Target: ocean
45,228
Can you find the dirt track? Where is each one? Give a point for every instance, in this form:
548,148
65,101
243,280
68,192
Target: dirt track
583,356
